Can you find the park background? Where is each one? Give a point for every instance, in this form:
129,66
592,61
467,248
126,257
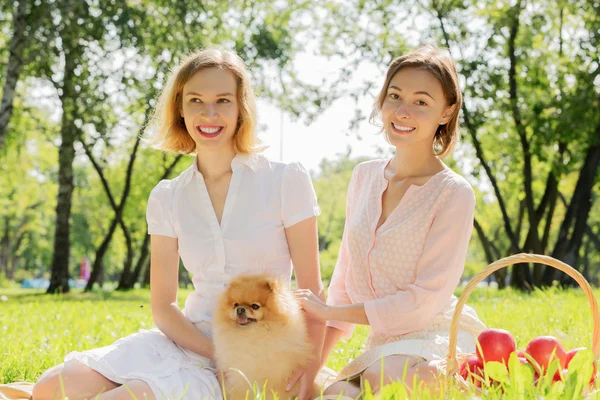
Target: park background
80,78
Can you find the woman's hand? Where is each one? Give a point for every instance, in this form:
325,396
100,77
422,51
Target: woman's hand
312,304
306,376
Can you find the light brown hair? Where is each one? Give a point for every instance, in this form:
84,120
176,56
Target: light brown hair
439,63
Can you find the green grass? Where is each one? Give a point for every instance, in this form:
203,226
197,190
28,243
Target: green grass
37,330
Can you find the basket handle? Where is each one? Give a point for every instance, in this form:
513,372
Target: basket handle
452,362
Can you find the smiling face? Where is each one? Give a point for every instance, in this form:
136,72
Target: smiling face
414,107
210,108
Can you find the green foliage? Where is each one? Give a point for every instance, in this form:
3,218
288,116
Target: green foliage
545,122
122,53
331,187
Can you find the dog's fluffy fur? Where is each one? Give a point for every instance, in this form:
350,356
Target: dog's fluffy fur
259,331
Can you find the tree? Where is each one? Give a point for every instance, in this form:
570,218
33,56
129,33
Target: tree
529,110
28,188
26,20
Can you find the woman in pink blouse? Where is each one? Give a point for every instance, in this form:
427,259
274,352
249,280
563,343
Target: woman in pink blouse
232,211
408,226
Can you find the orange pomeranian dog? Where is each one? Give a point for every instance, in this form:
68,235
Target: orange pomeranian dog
260,338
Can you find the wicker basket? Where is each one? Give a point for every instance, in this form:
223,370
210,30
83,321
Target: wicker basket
454,360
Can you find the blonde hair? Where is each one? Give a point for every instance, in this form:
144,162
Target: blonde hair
441,65
172,134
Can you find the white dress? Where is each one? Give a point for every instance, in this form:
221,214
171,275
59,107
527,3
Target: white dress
264,198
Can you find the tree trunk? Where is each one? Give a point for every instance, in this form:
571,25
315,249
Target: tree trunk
500,275
4,245
59,280
13,68
126,274
521,276
519,226
142,260
118,209
533,243
184,277
574,225
97,273
549,218
593,237
12,265
586,260
479,150
146,282
144,250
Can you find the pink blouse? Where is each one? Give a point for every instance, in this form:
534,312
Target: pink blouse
404,272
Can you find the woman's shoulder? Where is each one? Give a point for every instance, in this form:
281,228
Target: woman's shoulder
279,168
370,165
457,182
166,187
455,188
367,168
367,171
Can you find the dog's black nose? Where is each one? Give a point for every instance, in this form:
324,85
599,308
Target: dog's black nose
241,310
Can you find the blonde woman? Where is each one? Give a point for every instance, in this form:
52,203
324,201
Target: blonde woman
232,211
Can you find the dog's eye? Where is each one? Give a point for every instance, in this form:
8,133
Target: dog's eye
255,306
235,304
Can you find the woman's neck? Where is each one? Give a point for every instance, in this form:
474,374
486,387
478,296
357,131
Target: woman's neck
415,162
213,163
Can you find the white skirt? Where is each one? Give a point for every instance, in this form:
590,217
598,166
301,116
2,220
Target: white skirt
423,346
171,371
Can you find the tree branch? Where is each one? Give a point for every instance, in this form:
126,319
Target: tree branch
479,151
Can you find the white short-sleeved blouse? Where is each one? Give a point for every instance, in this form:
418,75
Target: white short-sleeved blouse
263,199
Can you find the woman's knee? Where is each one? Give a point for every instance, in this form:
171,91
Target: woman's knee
393,369
372,376
140,389
49,383
60,378
343,388
424,372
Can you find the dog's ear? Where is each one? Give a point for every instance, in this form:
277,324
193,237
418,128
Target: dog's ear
233,283
273,284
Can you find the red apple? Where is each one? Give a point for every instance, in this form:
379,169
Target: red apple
477,378
472,366
521,354
572,353
495,345
541,349
559,375
524,361
463,370
470,369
